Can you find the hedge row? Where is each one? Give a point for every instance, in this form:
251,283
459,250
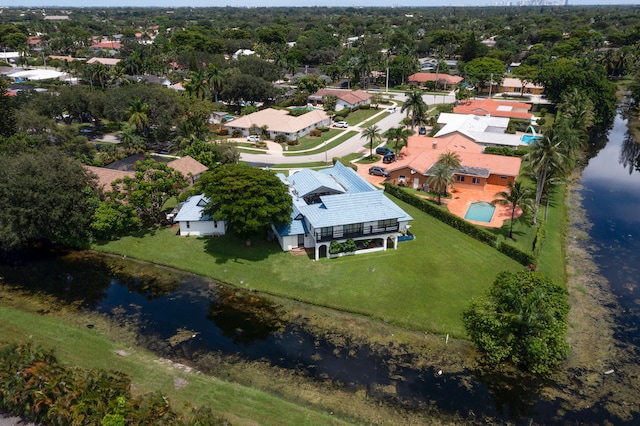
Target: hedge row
506,151
461,225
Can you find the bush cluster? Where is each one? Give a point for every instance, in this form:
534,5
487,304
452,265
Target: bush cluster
348,246
315,133
222,132
506,151
35,385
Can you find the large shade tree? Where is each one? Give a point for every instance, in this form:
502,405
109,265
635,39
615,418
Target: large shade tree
45,196
521,320
250,199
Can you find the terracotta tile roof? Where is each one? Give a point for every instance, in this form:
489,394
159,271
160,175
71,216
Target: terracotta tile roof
494,108
106,176
105,61
187,165
278,120
423,77
351,97
422,153
516,82
107,45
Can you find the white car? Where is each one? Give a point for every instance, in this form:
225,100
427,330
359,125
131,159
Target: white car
341,124
391,110
253,138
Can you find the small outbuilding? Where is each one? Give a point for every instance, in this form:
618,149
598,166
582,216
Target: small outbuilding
192,221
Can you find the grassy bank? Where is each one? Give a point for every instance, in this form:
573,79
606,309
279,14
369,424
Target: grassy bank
110,347
424,285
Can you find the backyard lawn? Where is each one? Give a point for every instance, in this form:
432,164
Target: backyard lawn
424,285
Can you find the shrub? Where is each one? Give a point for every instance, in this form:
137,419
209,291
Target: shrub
365,106
293,142
323,129
261,144
506,151
223,132
444,108
298,112
280,138
541,121
236,133
315,133
539,240
516,254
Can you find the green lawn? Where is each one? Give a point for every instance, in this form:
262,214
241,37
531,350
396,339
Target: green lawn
309,142
424,285
356,117
323,148
77,345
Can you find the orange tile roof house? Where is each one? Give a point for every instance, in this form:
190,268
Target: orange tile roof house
190,168
279,121
478,169
346,98
518,110
421,78
106,176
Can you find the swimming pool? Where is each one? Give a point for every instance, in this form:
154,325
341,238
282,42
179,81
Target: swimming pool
529,138
480,212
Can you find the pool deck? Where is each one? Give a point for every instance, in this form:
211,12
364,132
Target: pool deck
462,198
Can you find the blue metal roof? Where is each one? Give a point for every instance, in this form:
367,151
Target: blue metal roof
296,226
348,178
192,209
343,209
309,181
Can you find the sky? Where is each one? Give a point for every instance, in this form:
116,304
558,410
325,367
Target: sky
289,3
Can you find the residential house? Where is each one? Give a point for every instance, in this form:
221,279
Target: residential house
493,108
440,79
478,169
514,86
192,221
189,167
336,205
107,176
345,98
278,121
483,130
110,62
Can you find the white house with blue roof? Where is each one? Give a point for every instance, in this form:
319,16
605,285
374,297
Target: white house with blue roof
336,205
193,222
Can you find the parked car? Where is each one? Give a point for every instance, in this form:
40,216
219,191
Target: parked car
341,124
389,158
253,138
378,171
383,150
422,130
391,110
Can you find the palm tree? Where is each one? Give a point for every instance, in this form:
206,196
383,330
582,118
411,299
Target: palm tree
196,85
372,134
452,161
440,177
137,112
516,195
397,135
416,107
214,77
546,159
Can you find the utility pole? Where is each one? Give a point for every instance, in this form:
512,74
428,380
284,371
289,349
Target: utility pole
490,85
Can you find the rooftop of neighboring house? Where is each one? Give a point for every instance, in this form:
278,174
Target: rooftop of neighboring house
106,176
192,208
423,152
482,129
351,97
278,120
423,77
516,82
105,61
494,108
188,166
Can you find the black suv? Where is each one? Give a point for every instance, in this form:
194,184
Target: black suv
383,150
378,171
389,157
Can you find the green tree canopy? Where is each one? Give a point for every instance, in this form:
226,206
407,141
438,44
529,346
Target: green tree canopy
153,184
44,196
250,199
481,71
521,320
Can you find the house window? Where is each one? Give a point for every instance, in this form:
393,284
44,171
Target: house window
215,223
387,223
188,225
402,178
504,177
352,228
326,232
475,181
459,178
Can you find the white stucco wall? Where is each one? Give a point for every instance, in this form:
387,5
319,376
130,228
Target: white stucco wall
203,228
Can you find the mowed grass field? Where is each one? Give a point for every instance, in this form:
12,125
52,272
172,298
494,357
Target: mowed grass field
424,285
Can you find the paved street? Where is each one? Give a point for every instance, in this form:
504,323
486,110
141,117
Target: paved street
274,154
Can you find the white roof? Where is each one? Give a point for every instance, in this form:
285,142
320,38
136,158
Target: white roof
485,130
36,74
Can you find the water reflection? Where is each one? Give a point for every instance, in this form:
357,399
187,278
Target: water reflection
630,153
